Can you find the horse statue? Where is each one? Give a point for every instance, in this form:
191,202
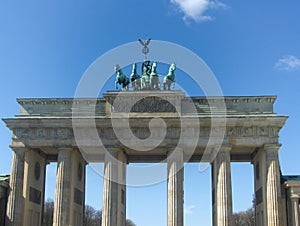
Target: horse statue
146,71
121,78
135,78
154,80
169,79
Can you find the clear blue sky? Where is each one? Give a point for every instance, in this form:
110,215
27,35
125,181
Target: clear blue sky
251,46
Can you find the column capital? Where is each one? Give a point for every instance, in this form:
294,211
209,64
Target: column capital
272,147
271,151
115,153
218,147
176,151
226,148
223,155
294,197
113,149
214,152
64,153
19,149
65,148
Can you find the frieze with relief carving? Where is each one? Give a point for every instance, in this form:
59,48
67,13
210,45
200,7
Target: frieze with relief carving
43,133
67,133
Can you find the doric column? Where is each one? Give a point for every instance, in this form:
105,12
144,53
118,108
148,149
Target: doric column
34,187
222,193
175,188
15,205
62,200
114,189
294,211
273,192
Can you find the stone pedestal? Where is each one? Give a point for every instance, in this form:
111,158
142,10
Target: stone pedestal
273,185
15,205
222,192
69,193
175,188
114,190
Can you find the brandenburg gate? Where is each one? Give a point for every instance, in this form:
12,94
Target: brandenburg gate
44,132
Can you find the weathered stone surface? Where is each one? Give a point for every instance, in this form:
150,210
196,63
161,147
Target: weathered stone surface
114,190
292,188
56,128
294,211
175,188
67,209
15,205
62,203
222,193
34,186
273,187
238,105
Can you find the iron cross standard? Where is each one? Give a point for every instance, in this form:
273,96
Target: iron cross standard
145,48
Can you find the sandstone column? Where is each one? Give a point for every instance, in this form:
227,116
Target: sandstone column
222,193
273,192
34,187
294,211
114,190
62,200
175,188
15,205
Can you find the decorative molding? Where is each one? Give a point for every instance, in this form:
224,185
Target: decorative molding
63,101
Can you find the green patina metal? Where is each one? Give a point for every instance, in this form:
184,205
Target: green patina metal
169,79
135,78
121,78
146,71
154,79
148,81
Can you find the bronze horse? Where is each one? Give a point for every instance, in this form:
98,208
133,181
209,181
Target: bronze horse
121,78
169,79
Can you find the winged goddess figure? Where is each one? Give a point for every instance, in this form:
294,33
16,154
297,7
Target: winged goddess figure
145,48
